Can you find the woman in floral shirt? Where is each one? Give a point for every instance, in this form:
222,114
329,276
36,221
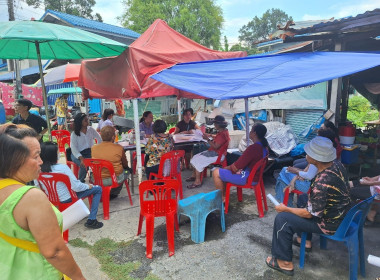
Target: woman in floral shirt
158,144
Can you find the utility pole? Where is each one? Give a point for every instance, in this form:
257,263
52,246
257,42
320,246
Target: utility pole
11,10
16,63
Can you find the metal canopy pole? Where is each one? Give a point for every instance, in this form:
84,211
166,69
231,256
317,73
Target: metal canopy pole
179,108
43,89
246,121
137,137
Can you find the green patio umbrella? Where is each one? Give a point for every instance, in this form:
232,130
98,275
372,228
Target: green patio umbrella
41,40
70,90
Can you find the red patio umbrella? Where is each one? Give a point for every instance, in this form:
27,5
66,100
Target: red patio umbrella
62,74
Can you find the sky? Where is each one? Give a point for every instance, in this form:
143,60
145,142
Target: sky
236,12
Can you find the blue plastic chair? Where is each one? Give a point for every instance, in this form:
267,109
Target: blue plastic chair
197,208
364,206
348,232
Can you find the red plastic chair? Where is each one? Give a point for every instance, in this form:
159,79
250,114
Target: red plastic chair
134,161
70,164
258,188
175,158
59,135
48,184
171,131
96,165
297,192
163,204
222,151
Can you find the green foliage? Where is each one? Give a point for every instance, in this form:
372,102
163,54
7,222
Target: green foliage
261,28
81,8
200,21
103,250
360,111
249,50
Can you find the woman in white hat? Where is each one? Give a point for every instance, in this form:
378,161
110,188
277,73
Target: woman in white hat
329,201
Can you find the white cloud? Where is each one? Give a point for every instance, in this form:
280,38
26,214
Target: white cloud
311,17
353,10
109,10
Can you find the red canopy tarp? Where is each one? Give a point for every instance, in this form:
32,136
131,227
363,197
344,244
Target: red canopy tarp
127,75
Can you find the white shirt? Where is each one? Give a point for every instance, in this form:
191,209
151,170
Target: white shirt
310,173
62,190
102,123
84,141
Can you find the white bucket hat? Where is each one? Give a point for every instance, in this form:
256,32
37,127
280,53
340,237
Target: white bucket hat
321,149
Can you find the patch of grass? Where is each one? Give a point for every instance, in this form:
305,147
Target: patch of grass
102,250
79,243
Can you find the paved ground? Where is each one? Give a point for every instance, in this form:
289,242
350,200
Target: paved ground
238,253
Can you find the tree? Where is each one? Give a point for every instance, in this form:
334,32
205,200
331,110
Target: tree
261,28
249,50
80,8
360,111
200,21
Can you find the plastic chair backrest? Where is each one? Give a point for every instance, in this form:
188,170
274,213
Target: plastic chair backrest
97,165
65,141
48,184
161,191
365,205
174,157
353,215
258,167
60,135
171,130
222,151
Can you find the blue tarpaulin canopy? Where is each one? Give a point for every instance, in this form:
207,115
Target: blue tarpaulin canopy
261,75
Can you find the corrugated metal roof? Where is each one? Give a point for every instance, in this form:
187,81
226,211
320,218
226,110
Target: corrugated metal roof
92,24
367,18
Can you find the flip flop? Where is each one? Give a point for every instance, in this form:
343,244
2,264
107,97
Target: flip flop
368,223
190,179
194,186
274,265
296,243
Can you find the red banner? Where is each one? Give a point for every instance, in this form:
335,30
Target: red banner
7,93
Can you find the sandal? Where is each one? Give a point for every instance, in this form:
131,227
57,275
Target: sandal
274,265
194,186
296,243
190,179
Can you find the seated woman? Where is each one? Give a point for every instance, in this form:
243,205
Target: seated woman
202,160
158,144
238,172
114,153
106,119
327,125
49,156
328,203
363,189
82,139
299,179
146,123
186,126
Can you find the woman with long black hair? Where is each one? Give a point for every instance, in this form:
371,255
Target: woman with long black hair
82,139
238,172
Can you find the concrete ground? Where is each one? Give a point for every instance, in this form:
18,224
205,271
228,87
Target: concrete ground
238,253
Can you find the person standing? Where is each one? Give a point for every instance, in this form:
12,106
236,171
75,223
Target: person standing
22,108
61,107
30,227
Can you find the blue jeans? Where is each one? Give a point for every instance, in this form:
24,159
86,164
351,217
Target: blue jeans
96,191
283,181
82,171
